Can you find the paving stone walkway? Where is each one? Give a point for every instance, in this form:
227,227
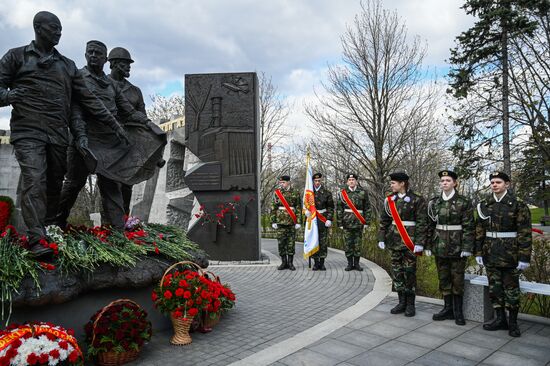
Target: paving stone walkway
277,306
272,306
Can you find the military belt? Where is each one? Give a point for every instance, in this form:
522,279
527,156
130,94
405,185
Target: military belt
448,227
322,210
283,208
406,223
350,210
501,234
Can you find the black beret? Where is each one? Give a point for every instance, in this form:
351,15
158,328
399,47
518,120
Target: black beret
317,175
399,176
351,175
285,178
448,173
500,175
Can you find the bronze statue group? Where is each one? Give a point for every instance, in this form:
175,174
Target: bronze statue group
51,97
497,232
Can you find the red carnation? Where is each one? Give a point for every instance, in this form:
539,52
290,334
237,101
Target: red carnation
177,314
167,294
54,353
73,357
193,311
180,292
182,283
154,296
43,358
63,344
187,295
32,359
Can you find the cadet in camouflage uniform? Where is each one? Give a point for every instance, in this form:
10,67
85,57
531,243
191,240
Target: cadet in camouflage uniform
324,204
412,210
503,245
353,228
283,223
450,235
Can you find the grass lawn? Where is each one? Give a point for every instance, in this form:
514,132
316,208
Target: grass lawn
536,215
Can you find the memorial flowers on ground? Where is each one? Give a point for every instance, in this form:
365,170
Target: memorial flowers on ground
84,249
119,327
38,344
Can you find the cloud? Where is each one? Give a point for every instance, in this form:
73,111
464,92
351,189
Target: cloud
290,40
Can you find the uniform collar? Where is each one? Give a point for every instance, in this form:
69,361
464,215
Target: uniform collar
352,190
501,198
447,198
317,189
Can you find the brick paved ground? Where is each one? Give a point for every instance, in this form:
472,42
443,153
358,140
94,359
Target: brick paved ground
380,338
271,306
274,306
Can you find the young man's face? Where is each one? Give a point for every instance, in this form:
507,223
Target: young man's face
352,182
447,184
498,185
284,184
397,186
317,182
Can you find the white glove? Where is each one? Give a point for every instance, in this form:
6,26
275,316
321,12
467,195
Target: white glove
328,223
381,245
522,266
297,226
428,253
418,248
465,254
479,260
341,227
308,213
274,226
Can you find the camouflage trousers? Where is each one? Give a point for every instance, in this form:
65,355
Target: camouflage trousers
503,287
323,244
353,240
286,237
403,271
451,275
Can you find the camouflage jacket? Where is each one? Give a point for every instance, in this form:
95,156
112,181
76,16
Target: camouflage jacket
508,215
456,211
324,201
360,200
279,215
411,207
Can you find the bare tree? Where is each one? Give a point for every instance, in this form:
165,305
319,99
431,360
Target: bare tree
274,157
166,108
375,102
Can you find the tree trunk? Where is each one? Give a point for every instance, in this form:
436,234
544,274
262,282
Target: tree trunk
505,98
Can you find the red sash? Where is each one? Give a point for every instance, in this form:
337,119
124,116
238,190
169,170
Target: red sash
352,206
400,227
287,206
321,217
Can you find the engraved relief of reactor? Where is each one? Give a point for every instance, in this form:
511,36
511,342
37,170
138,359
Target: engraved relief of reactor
223,132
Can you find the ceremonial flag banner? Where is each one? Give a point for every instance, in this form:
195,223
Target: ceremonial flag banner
311,234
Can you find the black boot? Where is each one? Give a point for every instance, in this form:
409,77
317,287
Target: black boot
316,264
290,264
356,264
400,307
322,264
447,312
410,310
350,264
457,307
514,328
284,263
499,322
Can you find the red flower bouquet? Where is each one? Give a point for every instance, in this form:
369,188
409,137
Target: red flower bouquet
6,210
38,344
116,333
183,295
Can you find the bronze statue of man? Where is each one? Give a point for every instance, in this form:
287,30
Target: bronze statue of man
40,84
102,141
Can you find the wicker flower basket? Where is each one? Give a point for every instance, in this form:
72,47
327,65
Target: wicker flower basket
112,358
181,326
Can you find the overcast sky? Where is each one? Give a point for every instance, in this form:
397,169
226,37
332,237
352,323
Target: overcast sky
291,40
